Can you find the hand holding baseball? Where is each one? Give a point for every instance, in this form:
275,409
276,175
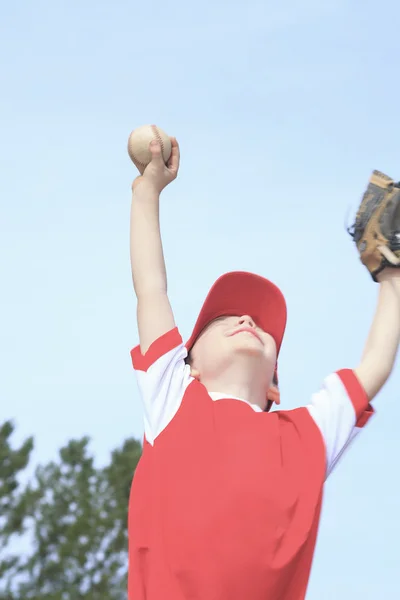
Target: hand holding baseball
156,156
158,174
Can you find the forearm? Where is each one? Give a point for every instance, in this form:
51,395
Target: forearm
147,258
384,337
154,313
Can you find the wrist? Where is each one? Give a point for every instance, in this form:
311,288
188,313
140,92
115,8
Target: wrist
142,186
389,274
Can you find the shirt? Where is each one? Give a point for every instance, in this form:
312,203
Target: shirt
226,500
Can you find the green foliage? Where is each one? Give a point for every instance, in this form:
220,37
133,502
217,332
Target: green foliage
78,525
15,503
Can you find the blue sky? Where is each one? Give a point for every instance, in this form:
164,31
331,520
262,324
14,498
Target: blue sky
281,111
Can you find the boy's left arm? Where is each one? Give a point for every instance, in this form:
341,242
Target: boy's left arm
341,408
384,337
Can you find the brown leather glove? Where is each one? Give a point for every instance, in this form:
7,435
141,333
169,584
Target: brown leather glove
376,231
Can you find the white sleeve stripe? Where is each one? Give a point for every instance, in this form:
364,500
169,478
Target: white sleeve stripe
334,414
162,388
353,435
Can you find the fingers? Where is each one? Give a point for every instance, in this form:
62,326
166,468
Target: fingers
156,151
160,173
174,159
157,156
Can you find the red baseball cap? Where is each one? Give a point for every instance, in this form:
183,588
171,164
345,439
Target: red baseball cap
241,293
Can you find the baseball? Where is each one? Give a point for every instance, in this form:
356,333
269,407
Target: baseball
139,141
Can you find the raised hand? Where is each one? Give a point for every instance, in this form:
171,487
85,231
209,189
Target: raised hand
157,175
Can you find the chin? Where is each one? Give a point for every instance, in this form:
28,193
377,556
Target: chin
252,348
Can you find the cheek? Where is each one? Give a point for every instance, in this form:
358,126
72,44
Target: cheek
208,350
270,348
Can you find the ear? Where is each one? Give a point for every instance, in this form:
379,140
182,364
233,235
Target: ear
194,373
274,395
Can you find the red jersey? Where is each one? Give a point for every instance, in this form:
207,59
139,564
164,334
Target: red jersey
226,498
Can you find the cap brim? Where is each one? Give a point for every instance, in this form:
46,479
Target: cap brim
240,293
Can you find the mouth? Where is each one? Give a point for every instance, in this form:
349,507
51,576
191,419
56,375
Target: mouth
248,330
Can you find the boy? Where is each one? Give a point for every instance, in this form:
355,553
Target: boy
226,498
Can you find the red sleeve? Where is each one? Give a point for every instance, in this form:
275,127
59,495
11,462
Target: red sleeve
170,340
340,409
162,377
357,395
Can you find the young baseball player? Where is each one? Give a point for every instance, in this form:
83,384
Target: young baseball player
226,498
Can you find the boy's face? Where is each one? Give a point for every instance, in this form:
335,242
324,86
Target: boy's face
228,338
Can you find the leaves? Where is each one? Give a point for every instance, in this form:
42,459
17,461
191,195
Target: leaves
77,516
15,505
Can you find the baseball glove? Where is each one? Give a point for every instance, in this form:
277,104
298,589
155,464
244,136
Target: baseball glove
376,231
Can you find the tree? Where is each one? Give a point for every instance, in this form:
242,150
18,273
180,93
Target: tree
15,503
79,526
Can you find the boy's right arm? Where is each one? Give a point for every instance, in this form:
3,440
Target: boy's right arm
162,374
154,312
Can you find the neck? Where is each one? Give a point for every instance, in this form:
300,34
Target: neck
240,381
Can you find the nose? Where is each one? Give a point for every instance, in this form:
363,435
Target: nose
246,320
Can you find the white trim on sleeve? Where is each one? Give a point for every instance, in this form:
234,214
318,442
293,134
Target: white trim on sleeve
162,387
333,411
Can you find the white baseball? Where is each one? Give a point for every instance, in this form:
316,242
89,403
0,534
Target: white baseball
139,141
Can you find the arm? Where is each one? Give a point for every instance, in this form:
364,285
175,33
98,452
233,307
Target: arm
384,337
341,408
154,313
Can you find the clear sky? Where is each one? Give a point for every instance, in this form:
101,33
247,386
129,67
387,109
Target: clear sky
281,110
